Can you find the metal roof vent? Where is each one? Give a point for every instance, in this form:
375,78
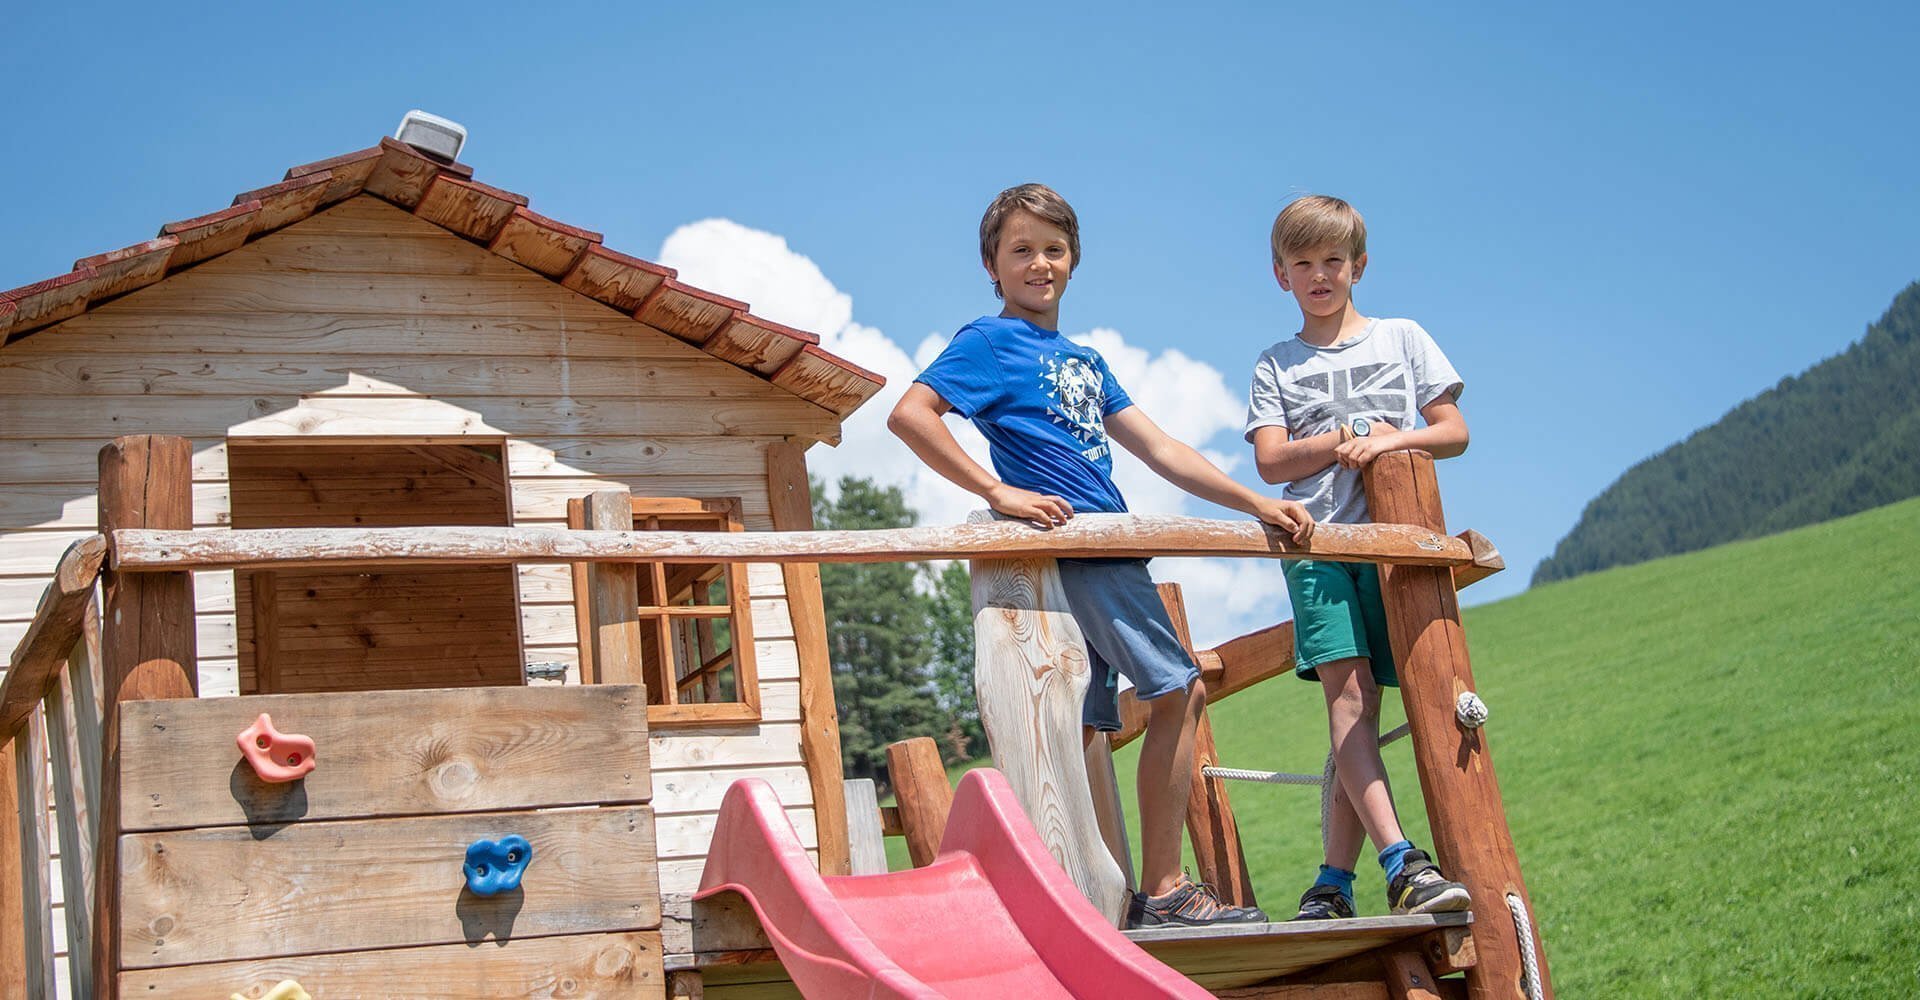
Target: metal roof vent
431,134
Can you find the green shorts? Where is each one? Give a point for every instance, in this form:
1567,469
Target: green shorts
1338,615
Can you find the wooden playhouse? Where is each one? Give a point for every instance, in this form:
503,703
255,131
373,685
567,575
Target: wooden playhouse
502,410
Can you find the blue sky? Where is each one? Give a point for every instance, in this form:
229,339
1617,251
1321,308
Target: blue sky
1619,220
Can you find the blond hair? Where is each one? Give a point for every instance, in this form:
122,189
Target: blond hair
1042,201
1318,220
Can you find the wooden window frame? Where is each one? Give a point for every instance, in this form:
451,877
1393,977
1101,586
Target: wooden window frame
738,613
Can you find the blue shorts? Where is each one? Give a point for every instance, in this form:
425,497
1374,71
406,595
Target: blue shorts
1127,629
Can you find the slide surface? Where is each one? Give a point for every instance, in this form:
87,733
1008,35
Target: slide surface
992,916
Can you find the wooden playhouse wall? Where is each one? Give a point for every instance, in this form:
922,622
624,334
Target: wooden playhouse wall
363,322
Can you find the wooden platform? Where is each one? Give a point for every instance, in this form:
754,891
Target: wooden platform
1218,958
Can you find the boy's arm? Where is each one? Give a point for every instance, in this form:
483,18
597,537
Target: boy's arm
916,421
1444,436
1178,463
1283,459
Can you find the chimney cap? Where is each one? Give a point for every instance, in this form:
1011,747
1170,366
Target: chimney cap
440,138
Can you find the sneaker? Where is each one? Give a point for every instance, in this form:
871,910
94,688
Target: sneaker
1190,904
1325,902
1422,889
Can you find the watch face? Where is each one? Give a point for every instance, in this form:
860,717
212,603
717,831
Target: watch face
1360,426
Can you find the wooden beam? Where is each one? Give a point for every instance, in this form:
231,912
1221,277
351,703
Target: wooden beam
30,776
920,786
13,893
866,841
1088,535
36,661
790,499
147,648
1470,835
613,598
1211,828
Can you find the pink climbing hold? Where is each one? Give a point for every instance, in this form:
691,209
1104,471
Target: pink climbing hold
276,757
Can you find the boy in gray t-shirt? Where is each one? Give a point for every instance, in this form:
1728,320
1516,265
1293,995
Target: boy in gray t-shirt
1324,404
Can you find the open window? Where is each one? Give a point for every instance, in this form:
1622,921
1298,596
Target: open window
696,622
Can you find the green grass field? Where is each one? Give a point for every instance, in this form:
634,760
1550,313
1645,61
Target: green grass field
1708,762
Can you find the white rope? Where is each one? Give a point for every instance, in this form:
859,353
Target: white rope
1288,778
1529,959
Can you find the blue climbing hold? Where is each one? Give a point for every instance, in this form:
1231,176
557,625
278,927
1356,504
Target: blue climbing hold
495,866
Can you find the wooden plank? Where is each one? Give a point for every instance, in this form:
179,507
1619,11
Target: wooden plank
147,651
36,891
724,923
227,894
74,462
1408,977
467,207
626,456
866,844
623,964
541,244
117,272
387,753
920,786
402,173
790,497
1471,840
836,384
687,312
1088,535
1031,675
35,662
1225,956
616,279
689,836
1107,808
13,873
702,789
208,236
412,420
757,344
74,733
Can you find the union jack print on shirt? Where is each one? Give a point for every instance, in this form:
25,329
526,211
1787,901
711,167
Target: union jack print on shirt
1377,389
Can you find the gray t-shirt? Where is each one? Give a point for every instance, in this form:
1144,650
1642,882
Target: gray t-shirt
1391,370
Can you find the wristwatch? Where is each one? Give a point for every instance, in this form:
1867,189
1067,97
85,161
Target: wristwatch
1359,427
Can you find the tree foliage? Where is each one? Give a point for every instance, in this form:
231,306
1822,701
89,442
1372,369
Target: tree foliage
1839,438
902,651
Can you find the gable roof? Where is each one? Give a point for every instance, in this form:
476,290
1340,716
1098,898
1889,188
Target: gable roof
446,195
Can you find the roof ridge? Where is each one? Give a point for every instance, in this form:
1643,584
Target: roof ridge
497,220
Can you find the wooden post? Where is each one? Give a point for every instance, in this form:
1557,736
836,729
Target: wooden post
147,646
920,787
1030,677
866,836
13,897
1210,824
1470,834
613,598
791,500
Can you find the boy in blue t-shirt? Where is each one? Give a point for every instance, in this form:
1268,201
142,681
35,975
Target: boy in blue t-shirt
1048,408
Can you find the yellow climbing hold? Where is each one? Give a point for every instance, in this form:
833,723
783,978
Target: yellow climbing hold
286,989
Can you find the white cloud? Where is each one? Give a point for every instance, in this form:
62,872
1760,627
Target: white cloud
1190,399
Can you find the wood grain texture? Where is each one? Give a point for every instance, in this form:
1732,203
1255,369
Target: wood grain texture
387,753
147,645
36,850
920,787
1471,839
1030,677
234,893
73,736
1088,535
574,967
613,596
1237,955
13,895
866,841
35,663
1107,806
790,499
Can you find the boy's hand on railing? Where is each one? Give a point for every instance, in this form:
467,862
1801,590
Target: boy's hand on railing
1042,510
1287,515
1356,452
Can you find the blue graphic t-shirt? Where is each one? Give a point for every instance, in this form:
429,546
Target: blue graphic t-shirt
1039,399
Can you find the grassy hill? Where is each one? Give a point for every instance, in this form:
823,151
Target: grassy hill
1711,764
1839,438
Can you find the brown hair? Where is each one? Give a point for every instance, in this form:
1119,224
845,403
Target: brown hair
1318,220
1042,201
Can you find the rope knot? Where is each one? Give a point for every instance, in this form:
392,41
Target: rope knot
1470,710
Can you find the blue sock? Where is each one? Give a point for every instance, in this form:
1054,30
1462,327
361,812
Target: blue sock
1339,878
1394,858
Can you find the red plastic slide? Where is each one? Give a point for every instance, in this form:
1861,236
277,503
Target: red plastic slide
993,915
